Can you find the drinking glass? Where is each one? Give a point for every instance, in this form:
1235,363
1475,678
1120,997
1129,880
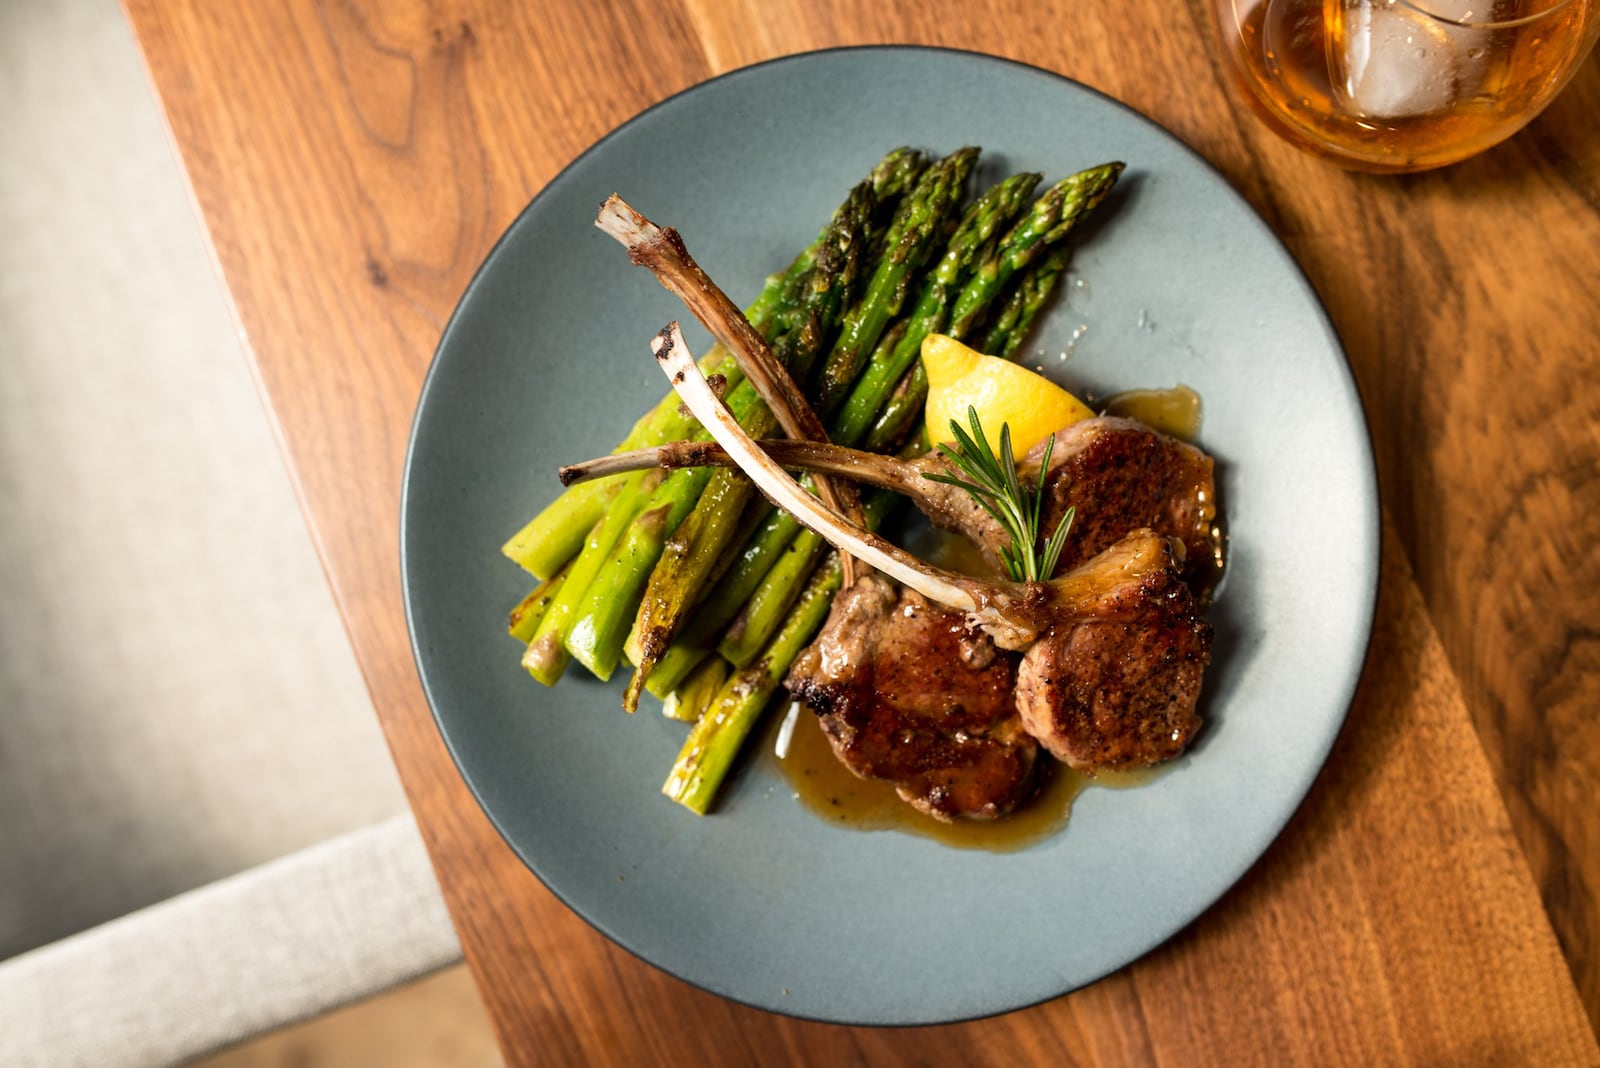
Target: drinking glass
1403,85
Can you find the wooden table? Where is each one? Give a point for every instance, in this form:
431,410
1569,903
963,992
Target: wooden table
1437,899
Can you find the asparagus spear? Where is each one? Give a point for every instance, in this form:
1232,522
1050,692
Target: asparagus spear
894,176
1028,296
727,596
913,238
903,410
690,700
600,624
901,413
686,653
525,617
714,742
780,299
601,621
769,605
602,609
745,635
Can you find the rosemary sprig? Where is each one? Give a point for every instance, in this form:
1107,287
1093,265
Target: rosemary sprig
992,481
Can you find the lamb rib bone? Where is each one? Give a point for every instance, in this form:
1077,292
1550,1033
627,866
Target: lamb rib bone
661,251
1014,614
873,468
948,506
1115,474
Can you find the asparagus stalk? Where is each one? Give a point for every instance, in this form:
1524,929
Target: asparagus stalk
769,605
746,634
599,625
699,633
709,751
903,410
901,413
546,656
690,700
972,243
601,621
913,238
525,617
894,176
686,653
1027,298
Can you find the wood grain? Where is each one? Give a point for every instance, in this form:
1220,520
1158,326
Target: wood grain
354,161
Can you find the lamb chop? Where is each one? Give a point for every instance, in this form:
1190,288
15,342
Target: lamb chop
1115,474
906,692
1113,649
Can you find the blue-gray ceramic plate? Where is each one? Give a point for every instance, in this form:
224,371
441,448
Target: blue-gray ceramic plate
546,361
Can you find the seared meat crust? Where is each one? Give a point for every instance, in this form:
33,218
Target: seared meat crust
910,693
1119,689
1119,475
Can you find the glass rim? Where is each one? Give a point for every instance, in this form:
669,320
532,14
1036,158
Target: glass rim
1421,7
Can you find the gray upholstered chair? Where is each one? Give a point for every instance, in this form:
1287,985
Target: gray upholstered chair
201,835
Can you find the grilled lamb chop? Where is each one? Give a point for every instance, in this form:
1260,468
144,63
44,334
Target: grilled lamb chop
1118,687
1117,474
908,692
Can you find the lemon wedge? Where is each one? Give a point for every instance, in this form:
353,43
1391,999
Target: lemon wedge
1004,393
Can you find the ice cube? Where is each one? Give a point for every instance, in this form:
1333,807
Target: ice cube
1398,61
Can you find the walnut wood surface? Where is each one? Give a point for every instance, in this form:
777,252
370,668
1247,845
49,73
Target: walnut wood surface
1437,901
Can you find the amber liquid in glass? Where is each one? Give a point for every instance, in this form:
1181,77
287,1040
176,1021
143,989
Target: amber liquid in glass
1384,85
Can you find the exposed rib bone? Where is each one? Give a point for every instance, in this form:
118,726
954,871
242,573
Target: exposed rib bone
662,252
872,468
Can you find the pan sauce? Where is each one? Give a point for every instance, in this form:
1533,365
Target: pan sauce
832,793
